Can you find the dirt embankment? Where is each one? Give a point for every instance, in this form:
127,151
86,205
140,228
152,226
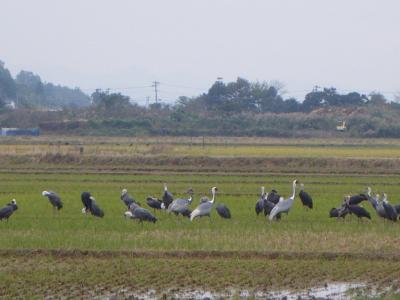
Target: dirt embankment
76,253
203,164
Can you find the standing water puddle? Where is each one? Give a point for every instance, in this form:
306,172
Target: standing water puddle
332,291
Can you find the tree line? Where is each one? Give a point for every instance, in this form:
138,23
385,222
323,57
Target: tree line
237,108
27,90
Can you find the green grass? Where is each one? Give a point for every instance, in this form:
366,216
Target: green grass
304,238
35,226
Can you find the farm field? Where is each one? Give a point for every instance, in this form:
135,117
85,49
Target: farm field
45,253
210,146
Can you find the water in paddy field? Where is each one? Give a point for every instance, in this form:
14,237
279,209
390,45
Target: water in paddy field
332,291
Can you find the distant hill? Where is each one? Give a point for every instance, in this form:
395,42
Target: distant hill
27,90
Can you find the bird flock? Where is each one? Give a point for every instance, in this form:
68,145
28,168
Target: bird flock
270,203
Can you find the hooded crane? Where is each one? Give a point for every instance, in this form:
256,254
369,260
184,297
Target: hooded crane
305,197
261,202
283,206
181,206
54,199
139,213
8,210
154,203
223,211
359,211
205,206
339,212
371,199
126,198
90,205
397,208
270,200
273,197
390,210
357,199
167,197
378,206
268,207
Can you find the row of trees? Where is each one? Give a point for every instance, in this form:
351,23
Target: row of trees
28,91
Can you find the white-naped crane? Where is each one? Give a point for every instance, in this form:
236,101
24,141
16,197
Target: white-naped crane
205,206
283,206
181,205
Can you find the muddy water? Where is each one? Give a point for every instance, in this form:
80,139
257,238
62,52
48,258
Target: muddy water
332,291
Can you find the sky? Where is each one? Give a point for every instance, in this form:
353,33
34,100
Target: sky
125,45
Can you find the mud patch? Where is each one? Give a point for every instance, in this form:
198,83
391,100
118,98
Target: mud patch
331,291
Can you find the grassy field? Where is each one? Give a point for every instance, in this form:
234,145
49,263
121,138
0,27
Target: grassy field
36,226
301,149
269,254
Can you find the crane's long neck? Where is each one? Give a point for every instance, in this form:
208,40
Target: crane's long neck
294,190
262,191
165,188
190,198
213,196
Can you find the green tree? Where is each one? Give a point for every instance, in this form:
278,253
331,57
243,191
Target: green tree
8,89
110,104
376,98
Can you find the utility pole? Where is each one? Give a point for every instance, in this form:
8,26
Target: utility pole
316,88
155,85
147,101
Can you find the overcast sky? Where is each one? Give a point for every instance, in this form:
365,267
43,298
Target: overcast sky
187,44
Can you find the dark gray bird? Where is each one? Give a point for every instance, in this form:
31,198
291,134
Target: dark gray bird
390,210
181,205
373,200
357,199
359,211
376,204
205,206
167,197
139,213
223,211
268,207
397,208
305,197
154,203
8,210
261,202
128,200
339,212
54,199
87,202
90,205
273,197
